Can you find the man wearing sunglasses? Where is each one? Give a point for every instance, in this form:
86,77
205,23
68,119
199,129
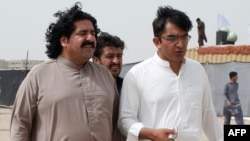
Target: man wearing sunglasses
168,97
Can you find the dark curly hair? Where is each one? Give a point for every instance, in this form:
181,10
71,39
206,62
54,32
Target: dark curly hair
64,26
168,14
105,39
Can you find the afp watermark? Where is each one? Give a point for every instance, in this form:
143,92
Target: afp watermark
239,132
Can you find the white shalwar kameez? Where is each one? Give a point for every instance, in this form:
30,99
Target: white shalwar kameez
154,96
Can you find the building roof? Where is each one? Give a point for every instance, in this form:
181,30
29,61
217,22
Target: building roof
220,53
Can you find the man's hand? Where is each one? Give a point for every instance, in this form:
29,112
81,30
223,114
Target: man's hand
229,104
161,134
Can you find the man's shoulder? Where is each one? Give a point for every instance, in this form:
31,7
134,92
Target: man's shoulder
194,64
119,81
43,66
192,61
228,84
142,64
99,69
96,66
119,78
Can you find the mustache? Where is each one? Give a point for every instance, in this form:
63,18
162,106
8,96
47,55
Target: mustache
115,64
87,43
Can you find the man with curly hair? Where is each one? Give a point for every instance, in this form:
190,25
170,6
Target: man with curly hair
68,98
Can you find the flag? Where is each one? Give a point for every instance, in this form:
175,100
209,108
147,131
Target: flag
222,22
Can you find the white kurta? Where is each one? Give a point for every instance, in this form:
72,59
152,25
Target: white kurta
154,96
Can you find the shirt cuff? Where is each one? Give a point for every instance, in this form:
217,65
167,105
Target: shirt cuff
133,132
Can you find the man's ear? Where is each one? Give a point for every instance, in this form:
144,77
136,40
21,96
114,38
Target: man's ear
96,60
64,41
157,42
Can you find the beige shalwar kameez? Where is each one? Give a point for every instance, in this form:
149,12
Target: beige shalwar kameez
57,102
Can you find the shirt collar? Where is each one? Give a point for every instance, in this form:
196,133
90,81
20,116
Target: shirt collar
68,62
162,62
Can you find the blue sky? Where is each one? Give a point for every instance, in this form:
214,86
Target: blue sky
23,23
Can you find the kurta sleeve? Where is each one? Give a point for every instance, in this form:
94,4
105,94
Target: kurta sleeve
210,122
226,93
23,110
129,107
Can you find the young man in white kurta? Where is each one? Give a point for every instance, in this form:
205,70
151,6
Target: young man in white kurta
168,90
154,96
